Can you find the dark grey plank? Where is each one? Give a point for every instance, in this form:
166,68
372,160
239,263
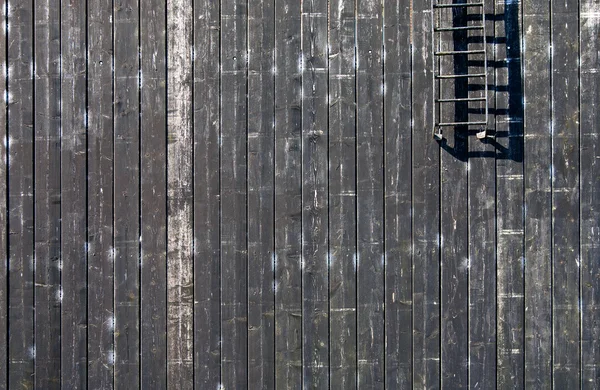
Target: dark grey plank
4,208
126,194
426,203
47,194
509,195
153,188
481,167
261,175
454,262
538,203
73,193
288,195
590,188
100,312
180,289
398,194
369,192
20,196
565,194
315,292
234,321
207,307
342,195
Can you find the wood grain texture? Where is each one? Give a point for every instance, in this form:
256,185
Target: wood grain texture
153,187
261,175
101,274
369,186
47,194
398,194
288,195
509,197
126,118
234,245
74,246
342,195
180,289
538,200
426,208
207,279
565,195
315,255
590,188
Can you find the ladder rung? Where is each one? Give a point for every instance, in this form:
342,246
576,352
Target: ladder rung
459,76
462,28
458,5
474,99
461,123
452,53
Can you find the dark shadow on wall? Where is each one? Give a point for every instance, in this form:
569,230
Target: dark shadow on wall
508,144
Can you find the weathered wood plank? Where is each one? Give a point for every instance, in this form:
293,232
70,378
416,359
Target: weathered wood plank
47,194
538,202
261,174
153,188
509,196
4,202
234,249
73,193
454,278
180,290
288,195
101,274
565,194
342,195
369,187
589,23
481,166
315,291
398,194
426,208
127,194
207,307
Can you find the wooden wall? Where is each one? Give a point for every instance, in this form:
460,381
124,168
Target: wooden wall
245,194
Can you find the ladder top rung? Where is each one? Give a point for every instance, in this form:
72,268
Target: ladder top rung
441,29
461,123
458,5
456,52
472,99
459,76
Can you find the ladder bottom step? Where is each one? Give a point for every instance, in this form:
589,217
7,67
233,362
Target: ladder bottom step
445,124
481,99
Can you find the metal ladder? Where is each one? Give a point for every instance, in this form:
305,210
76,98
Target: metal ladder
474,7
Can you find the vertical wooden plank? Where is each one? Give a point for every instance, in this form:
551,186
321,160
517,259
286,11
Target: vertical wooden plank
47,194
100,311
126,194
509,195
179,195
590,189
369,187
481,166
538,202
315,291
4,199
398,194
288,195
153,187
73,192
454,262
260,154
20,195
565,194
342,195
207,308
426,206
234,321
